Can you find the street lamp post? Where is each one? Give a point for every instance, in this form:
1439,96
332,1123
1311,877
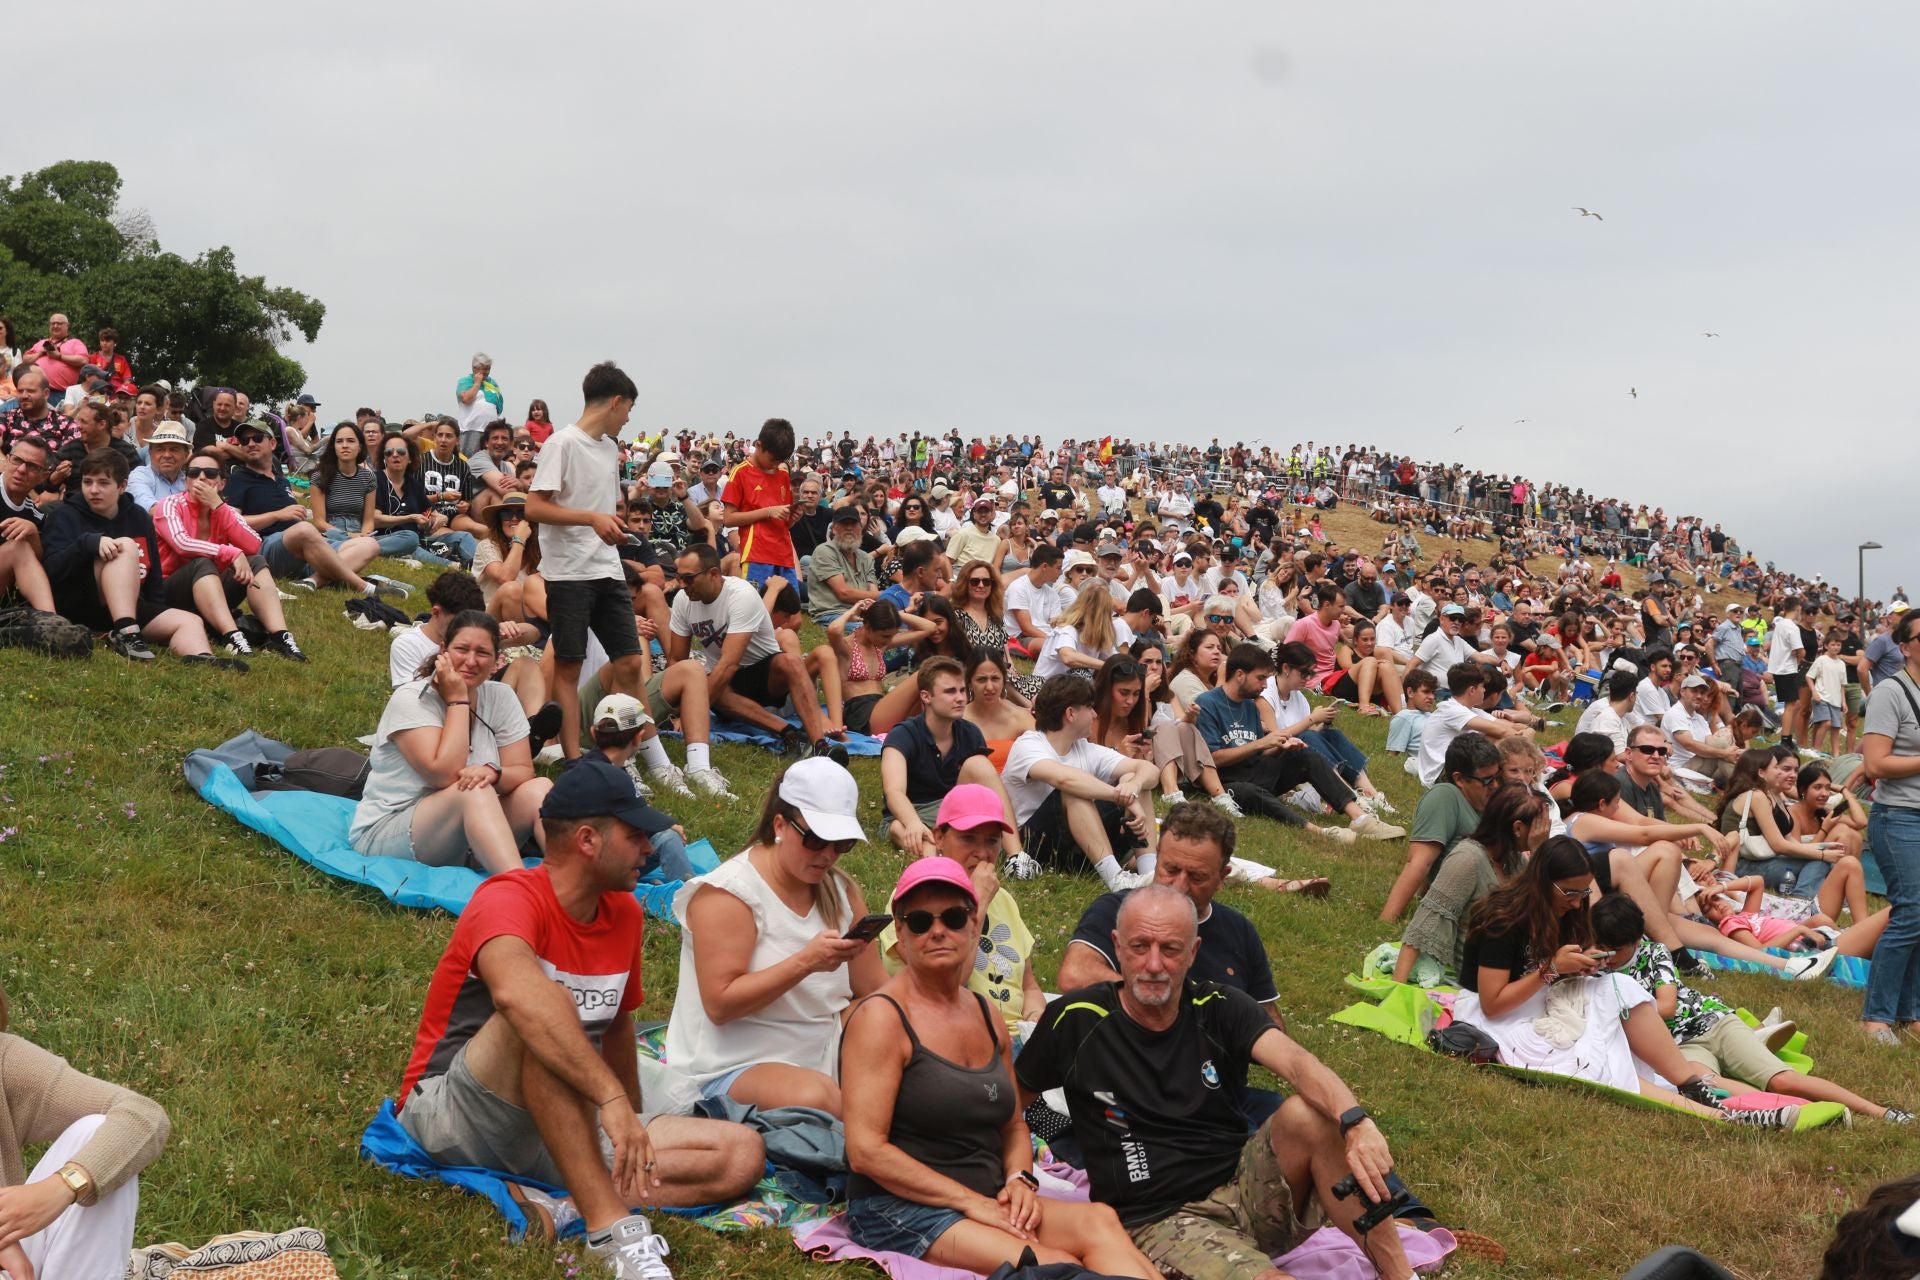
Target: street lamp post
1860,601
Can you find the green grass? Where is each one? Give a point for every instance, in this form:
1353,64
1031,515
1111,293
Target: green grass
156,942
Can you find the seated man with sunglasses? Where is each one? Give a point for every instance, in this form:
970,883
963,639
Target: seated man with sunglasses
291,543
210,559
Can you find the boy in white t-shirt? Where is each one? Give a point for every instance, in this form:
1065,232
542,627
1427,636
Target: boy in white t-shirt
1828,676
1404,731
1467,681
572,500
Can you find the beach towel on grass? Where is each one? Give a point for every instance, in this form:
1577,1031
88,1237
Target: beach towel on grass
1848,971
313,827
1327,1254
1404,1013
387,1144
738,731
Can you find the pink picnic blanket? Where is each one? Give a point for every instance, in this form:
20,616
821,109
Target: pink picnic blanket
1327,1254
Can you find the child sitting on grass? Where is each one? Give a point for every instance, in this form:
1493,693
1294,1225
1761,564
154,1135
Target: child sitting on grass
1403,731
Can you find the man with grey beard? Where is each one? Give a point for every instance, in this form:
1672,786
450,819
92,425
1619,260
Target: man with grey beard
839,574
1154,1067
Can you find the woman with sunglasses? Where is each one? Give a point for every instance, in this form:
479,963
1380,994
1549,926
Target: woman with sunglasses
1756,807
769,958
451,781
941,1162
979,603
507,562
401,517
913,513
210,559
1535,981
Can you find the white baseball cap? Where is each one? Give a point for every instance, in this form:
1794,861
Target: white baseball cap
827,797
620,711
1076,560
911,534
660,476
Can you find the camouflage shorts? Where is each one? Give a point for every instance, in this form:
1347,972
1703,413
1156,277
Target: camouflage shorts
1235,1233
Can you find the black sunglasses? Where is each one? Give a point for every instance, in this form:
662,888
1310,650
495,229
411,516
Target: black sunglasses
1646,750
816,845
954,918
1486,779
399,453
203,473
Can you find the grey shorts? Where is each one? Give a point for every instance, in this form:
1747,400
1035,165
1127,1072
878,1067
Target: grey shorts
459,1121
387,837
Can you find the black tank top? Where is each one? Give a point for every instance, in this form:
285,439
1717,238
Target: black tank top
949,1117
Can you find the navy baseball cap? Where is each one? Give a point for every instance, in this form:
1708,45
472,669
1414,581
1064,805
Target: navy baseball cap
595,789
307,401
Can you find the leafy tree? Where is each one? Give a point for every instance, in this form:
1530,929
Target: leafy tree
66,244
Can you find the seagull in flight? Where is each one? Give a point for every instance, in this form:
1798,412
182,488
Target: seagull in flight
1634,392
1518,421
1462,427
1709,335
1585,212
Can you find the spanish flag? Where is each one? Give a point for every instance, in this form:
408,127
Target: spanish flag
1106,448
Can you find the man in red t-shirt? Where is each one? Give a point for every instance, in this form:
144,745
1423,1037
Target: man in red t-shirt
526,1061
759,498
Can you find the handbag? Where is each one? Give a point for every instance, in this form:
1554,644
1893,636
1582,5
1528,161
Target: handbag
1753,847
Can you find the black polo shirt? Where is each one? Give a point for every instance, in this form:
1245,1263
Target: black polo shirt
931,775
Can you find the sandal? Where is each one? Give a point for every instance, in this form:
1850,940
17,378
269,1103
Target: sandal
1313,887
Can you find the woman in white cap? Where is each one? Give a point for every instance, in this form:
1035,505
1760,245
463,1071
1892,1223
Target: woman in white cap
767,965
941,1162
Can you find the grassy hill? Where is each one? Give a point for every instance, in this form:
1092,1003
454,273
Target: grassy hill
157,943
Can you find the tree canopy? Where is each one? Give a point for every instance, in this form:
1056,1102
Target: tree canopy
67,245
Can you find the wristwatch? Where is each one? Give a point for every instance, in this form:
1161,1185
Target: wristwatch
1026,1176
1351,1117
78,1181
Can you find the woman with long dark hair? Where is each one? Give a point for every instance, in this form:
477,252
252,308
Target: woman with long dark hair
766,964
1535,981
342,492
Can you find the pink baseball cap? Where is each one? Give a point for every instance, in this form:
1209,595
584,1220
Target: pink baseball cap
934,870
971,805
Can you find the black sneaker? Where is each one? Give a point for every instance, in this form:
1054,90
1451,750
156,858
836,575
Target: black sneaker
129,644
793,743
1687,963
828,749
217,663
1700,1089
283,643
237,645
544,725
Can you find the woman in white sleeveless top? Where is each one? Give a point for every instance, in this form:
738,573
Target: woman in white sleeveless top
765,972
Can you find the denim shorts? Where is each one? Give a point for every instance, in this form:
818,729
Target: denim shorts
282,563
888,1224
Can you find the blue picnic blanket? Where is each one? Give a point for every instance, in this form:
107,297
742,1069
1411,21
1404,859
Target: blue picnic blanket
725,730
1847,971
313,827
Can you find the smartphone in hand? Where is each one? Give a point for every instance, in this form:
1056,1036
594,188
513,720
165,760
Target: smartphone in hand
867,928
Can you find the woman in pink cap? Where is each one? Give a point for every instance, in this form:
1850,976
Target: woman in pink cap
968,829
939,1154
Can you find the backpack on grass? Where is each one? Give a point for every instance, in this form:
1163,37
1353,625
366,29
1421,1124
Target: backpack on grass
48,633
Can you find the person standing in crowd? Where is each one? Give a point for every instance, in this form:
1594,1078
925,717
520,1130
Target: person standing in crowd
1890,744
758,497
1786,660
572,500
73,1215
480,402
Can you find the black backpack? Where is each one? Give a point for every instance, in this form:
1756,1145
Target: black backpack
1031,1268
1460,1040
334,771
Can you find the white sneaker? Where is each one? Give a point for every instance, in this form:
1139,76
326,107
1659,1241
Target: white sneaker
640,787
633,1252
1810,968
1379,803
1125,880
672,779
1022,866
1228,805
559,1212
1373,827
1775,1035
710,781
549,754
1339,835
1172,798
412,563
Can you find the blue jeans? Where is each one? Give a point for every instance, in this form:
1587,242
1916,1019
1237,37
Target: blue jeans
669,856
1893,988
1337,750
397,544
455,545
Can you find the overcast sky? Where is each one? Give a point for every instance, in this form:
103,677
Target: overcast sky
1266,222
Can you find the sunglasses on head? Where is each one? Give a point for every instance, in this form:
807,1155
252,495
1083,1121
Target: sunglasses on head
816,845
1574,894
954,918
203,473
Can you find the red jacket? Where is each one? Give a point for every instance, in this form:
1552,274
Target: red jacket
176,520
